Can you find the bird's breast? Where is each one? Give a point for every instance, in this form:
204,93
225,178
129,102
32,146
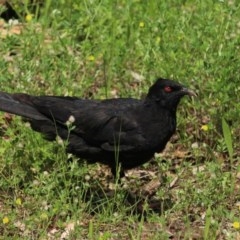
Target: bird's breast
158,132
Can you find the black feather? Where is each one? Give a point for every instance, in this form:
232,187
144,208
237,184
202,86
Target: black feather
124,130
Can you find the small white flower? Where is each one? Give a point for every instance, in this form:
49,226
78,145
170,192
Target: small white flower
13,22
115,214
195,145
36,182
70,120
56,12
59,140
87,177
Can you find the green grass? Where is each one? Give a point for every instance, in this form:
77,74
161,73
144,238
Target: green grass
91,49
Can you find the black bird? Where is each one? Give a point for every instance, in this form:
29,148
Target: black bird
123,132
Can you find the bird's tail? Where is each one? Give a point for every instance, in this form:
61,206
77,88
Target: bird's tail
19,104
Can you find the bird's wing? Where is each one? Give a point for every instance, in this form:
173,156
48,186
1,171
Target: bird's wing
109,124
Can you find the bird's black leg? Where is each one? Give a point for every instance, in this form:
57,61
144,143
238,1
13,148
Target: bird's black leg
118,173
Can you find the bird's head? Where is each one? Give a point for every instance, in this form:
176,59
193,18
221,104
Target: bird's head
168,93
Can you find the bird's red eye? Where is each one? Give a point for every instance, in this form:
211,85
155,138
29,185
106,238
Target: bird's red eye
167,89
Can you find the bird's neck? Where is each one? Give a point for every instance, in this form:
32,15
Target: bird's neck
162,105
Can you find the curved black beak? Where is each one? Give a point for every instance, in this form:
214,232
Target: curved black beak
188,92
